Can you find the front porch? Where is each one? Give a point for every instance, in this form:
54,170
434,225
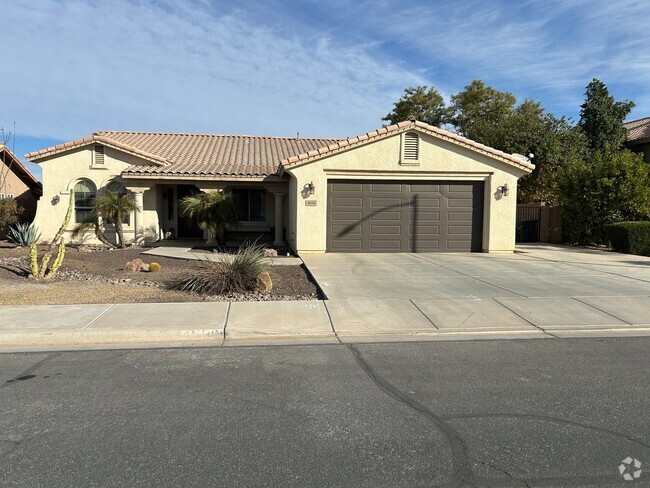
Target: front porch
263,211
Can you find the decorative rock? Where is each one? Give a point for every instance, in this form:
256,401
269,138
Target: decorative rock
264,283
134,266
85,248
270,253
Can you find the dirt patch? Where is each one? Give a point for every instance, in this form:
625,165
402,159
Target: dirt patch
99,277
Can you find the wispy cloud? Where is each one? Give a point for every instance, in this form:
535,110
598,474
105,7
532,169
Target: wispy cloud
81,66
321,68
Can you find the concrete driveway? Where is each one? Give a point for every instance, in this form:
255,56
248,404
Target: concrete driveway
546,289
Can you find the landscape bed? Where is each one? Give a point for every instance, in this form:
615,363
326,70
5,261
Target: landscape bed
99,277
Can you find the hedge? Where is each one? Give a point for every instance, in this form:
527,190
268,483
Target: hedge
629,237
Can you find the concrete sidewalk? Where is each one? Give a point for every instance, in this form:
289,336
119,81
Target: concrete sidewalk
52,327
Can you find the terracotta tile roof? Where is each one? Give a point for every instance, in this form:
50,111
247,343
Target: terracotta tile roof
20,169
196,154
351,142
638,129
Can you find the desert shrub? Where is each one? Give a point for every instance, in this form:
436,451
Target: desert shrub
236,273
22,234
155,267
9,213
629,237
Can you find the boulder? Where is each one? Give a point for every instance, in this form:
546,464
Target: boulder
270,253
264,283
134,266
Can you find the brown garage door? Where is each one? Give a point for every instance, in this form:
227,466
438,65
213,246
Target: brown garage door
380,216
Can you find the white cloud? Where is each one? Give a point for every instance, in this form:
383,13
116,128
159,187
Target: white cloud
83,66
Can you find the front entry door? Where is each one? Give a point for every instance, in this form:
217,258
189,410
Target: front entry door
187,227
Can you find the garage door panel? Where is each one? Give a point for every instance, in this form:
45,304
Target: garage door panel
379,216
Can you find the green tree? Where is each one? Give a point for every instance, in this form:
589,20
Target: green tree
611,186
422,103
601,117
478,111
213,210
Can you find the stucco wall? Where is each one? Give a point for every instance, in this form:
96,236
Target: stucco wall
61,172
438,160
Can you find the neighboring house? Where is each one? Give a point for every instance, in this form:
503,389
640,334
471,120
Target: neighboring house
408,187
638,137
17,182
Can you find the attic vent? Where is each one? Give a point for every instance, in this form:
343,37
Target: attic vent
99,154
411,146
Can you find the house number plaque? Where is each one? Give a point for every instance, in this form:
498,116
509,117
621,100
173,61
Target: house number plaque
310,203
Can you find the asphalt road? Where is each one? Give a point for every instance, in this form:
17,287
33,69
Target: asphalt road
531,413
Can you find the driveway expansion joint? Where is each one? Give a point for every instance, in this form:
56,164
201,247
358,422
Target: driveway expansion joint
98,317
524,318
601,310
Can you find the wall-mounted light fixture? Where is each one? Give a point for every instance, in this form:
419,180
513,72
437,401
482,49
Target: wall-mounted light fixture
504,190
56,199
311,188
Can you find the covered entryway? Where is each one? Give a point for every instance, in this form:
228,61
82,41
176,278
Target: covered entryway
404,216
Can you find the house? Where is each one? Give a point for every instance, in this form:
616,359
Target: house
408,187
16,181
638,137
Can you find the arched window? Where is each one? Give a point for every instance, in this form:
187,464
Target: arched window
411,146
85,192
116,187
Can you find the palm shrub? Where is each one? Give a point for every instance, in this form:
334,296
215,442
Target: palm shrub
23,234
214,211
114,207
236,273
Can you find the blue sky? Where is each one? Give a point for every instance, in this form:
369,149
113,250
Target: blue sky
274,67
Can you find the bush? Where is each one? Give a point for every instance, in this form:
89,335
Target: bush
629,237
9,213
22,235
237,273
611,187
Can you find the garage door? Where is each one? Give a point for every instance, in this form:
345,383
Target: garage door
380,216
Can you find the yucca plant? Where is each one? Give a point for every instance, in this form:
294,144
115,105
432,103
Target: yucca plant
214,211
236,273
23,234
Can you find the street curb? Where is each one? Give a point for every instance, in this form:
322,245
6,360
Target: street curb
53,337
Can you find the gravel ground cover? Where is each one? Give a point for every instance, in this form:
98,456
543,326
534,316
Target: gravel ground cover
98,277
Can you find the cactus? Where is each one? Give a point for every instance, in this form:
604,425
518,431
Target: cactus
42,272
154,267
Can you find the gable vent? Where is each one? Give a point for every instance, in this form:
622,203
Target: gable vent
99,154
411,146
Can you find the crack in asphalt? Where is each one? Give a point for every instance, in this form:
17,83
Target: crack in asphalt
462,468
547,419
29,370
496,468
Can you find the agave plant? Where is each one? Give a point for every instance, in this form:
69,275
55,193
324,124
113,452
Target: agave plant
23,234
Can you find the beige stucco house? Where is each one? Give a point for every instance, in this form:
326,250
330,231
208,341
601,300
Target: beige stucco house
408,187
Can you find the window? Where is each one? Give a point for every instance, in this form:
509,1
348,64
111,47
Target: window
84,199
251,205
10,195
411,146
120,189
99,154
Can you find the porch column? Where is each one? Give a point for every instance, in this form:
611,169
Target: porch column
138,215
278,240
